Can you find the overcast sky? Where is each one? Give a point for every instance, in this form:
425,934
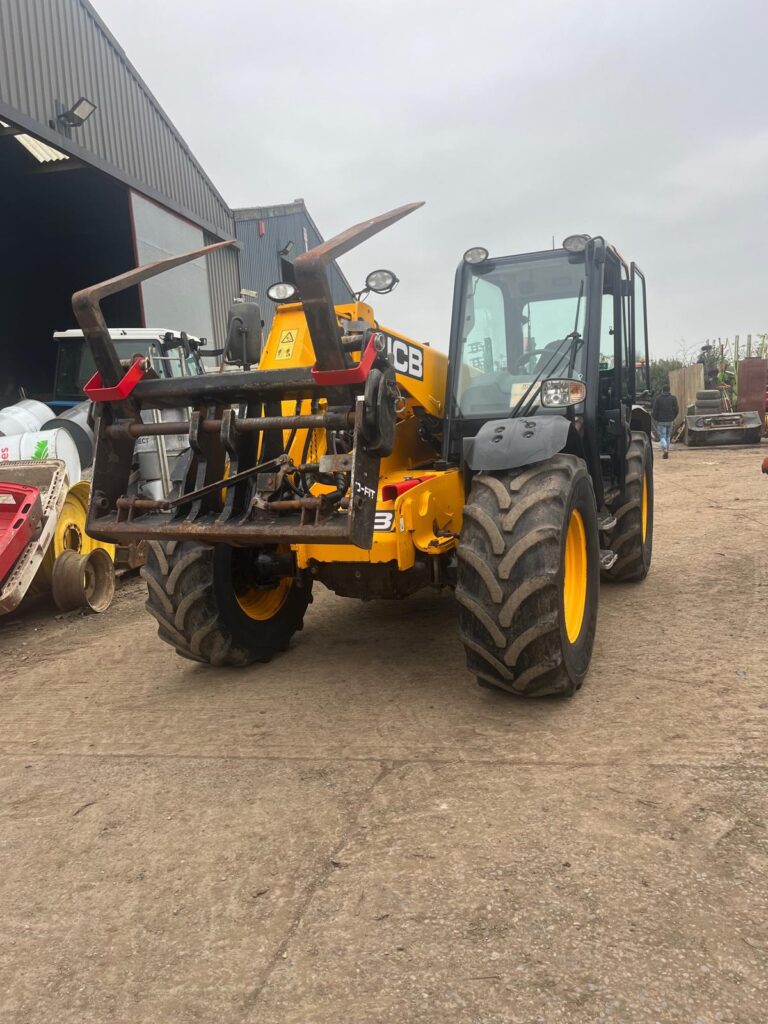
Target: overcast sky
646,122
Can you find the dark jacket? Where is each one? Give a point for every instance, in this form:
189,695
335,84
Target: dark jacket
665,408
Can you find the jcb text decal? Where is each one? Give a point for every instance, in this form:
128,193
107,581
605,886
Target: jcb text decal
407,359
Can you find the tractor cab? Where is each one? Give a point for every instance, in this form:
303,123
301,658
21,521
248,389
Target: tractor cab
529,336
170,354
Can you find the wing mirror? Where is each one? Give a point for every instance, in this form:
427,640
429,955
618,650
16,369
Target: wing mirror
244,334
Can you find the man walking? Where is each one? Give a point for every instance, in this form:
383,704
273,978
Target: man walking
664,412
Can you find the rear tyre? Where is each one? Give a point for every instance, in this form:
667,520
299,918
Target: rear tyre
528,579
708,395
632,537
707,406
207,609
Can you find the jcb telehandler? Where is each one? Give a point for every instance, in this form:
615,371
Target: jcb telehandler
516,469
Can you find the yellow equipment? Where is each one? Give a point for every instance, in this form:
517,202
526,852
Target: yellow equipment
516,469
69,535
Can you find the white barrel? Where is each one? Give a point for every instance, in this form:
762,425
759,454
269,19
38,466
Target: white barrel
23,417
42,445
75,422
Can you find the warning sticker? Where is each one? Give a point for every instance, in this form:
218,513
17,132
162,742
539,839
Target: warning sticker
285,345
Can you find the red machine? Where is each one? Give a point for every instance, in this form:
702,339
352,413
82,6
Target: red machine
21,511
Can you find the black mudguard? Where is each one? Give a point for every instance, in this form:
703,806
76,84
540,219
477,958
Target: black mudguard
510,443
640,419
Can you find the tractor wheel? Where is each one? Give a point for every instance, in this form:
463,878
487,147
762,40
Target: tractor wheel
207,608
529,577
632,536
709,395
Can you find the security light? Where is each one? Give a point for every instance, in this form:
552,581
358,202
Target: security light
78,113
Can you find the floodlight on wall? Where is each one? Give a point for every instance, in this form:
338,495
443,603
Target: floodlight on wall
78,113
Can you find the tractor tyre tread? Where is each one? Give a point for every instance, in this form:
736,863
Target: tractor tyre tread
510,578
182,597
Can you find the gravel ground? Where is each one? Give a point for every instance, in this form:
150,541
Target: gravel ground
356,833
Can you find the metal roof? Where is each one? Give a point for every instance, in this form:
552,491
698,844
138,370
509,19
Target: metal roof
260,254
54,51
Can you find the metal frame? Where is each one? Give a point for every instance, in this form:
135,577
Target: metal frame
237,488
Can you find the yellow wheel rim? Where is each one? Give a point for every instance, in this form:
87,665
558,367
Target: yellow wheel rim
575,576
264,604
69,533
261,603
644,506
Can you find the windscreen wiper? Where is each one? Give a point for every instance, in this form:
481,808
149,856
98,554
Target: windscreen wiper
574,336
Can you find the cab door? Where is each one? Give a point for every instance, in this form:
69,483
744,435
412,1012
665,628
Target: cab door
639,328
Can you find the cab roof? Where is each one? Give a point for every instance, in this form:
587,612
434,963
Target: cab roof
129,333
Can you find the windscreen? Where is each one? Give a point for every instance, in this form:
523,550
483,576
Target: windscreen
519,316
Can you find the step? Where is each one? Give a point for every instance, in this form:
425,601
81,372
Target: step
607,558
606,521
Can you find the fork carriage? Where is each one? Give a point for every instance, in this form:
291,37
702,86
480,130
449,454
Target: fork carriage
248,478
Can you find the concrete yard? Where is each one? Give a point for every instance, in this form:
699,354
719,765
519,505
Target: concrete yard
357,834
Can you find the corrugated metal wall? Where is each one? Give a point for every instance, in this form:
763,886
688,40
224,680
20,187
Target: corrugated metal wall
224,286
260,255
58,50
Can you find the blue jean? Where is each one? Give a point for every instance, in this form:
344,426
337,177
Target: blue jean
665,431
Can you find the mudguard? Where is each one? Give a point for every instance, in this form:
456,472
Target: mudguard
509,443
640,419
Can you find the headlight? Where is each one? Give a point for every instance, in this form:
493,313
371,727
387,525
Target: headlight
477,254
561,392
575,243
381,281
282,292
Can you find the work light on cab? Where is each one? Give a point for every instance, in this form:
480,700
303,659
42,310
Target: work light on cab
558,393
575,243
381,281
282,292
477,254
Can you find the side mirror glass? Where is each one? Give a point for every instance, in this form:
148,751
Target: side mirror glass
244,334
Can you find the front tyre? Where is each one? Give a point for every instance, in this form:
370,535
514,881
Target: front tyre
529,575
209,610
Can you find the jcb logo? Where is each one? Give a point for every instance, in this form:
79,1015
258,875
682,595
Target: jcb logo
407,359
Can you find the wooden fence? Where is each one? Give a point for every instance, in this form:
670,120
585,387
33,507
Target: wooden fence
685,383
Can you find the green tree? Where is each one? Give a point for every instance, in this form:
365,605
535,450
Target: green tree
660,369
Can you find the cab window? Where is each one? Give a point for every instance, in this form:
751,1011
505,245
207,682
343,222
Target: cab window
522,320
